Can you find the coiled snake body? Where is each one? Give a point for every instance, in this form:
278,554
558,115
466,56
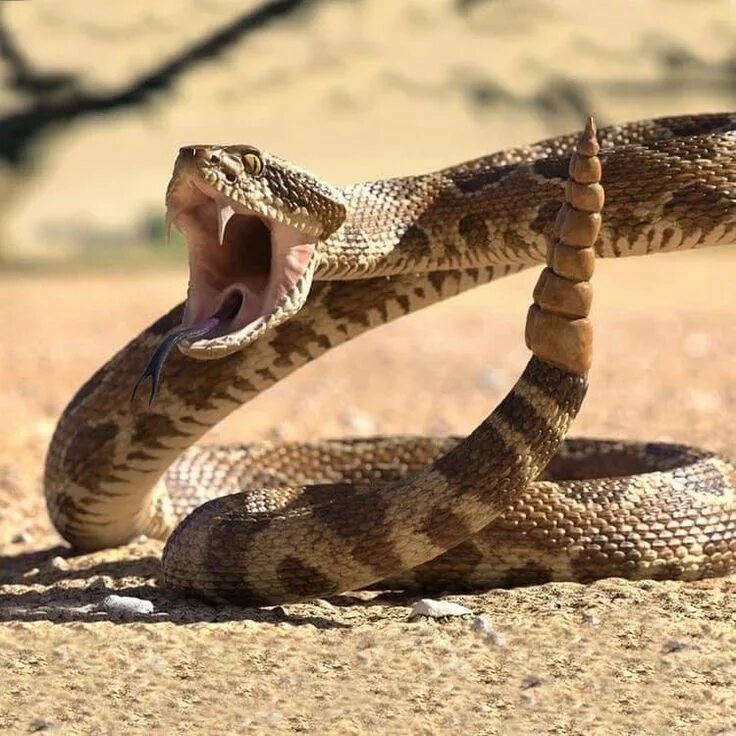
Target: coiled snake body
283,267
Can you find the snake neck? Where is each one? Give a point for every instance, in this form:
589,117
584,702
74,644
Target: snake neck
498,210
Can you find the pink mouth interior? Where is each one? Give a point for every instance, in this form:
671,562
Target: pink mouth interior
243,278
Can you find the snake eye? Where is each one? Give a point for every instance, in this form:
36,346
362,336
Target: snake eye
253,163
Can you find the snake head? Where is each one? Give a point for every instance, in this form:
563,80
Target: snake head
252,224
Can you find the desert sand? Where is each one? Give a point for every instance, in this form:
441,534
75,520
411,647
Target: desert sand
611,657
361,90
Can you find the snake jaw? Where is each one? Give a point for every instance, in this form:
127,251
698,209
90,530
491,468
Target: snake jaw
237,254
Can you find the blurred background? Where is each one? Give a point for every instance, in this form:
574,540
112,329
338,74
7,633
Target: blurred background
97,97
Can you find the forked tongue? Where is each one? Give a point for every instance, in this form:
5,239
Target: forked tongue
156,363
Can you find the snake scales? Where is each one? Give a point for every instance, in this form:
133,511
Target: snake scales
284,267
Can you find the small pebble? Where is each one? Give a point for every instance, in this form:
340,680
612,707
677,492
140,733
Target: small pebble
453,720
590,619
273,718
363,658
528,700
674,645
495,639
126,605
437,609
59,563
531,681
154,663
39,724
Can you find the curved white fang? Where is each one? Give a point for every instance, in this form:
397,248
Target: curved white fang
224,213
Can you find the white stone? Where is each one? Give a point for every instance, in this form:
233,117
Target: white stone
127,605
438,609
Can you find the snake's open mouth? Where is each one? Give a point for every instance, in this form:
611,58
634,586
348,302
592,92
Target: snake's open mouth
243,265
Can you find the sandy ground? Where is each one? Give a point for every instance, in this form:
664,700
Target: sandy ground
612,657
360,90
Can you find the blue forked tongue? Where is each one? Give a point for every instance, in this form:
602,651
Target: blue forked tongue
156,363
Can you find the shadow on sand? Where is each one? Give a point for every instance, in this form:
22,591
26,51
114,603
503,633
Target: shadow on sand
57,585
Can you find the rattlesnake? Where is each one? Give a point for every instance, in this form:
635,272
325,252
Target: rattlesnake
304,267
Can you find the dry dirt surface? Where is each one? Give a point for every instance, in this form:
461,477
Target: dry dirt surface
609,658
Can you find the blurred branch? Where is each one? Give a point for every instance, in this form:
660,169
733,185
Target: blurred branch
57,99
21,76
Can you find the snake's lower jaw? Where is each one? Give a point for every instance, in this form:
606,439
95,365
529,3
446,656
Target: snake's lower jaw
237,333
246,269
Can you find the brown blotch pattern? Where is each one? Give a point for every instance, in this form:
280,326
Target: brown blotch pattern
456,564
416,241
474,231
301,579
87,458
446,528
367,530
472,181
296,338
544,220
150,429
